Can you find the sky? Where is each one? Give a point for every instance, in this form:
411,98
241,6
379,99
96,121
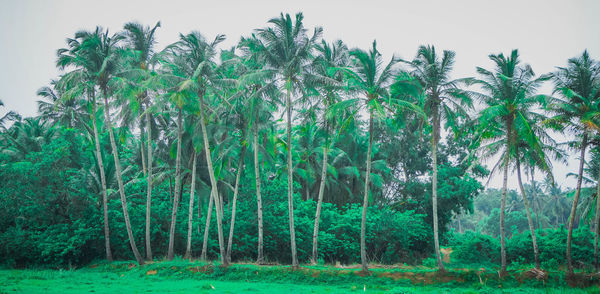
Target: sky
547,33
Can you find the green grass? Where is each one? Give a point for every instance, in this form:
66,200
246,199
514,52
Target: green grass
195,277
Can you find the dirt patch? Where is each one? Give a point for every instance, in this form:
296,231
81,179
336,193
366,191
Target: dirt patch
582,280
424,278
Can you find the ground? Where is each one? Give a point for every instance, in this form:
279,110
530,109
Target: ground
196,277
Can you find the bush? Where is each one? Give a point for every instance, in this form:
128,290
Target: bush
475,247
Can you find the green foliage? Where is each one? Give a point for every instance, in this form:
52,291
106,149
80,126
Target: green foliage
477,249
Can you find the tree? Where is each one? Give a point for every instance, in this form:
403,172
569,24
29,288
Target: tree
94,57
328,83
193,60
577,110
287,48
508,95
11,115
140,41
443,102
367,76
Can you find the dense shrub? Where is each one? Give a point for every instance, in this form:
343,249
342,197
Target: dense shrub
474,247
50,215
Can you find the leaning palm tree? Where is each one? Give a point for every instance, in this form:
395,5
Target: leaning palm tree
534,149
367,77
193,61
140,41
508,95
96,56
328,83
577,110
288,48
444,101
87,54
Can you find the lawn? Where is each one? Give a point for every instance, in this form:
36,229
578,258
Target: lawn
195,277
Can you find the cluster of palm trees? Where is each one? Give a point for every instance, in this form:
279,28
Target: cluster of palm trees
190,89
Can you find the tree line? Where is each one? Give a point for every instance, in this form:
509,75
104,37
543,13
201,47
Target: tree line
340,125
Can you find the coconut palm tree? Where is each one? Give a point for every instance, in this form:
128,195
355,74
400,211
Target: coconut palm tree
193,61
141,40
533,150
95,59
444,101
328,83
371,80
260,96
509,97
577,110
288,49
11,115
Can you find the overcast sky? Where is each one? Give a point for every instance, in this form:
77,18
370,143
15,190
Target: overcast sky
546,33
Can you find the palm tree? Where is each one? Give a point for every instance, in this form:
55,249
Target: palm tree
328,83
508,95
11,115
367,76
577,110
443,101
141,41
87,53
178,99
534,152
287,48
260,95
194,61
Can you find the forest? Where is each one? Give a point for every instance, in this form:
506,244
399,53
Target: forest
288,149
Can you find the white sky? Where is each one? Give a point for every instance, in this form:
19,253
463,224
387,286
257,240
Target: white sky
546,33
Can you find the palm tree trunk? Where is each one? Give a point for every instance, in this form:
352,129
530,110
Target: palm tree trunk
113,145
321,192
260,259
103,181
290,176
596,224
502,210
213,182
142,151
233,205
188,248
207,226
171,252
575,200
535,205
149,191
363,223
536,252
434,180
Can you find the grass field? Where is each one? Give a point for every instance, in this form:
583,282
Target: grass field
195,277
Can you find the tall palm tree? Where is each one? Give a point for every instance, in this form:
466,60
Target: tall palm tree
194,62
94,57
371,80
178,100
288,48
328,83
260,96
508,95
577,110
444,101
141,41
